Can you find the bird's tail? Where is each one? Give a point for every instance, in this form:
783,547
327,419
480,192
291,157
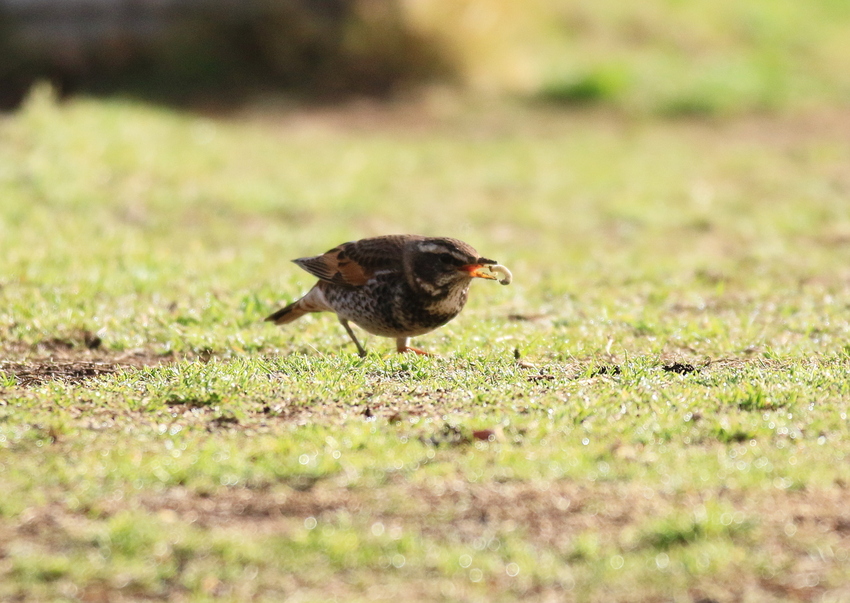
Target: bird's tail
314,301
291,312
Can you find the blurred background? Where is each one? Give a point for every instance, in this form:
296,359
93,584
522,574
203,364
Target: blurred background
669,57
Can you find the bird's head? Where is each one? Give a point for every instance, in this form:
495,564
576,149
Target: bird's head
435,265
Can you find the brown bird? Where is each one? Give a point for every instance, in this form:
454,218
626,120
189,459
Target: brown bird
396,286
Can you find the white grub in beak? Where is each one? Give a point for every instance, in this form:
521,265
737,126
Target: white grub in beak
507,277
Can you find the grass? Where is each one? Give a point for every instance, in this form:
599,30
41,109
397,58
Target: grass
158,441
657,57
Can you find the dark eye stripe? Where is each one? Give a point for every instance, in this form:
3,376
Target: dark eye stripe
449,258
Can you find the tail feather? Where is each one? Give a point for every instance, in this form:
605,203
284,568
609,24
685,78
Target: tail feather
291,312
314,301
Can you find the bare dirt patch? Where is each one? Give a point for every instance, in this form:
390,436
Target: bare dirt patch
36,373
68,364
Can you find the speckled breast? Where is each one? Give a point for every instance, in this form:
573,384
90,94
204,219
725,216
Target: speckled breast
390,308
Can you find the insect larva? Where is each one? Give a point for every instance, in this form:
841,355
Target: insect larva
507,277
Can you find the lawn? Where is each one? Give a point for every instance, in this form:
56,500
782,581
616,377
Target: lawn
654,410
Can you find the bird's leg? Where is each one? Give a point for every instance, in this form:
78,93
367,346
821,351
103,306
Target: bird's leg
360,349
401,346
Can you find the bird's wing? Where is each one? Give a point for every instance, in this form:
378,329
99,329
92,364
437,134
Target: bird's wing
354,263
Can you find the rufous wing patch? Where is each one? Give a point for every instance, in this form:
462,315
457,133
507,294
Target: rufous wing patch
349,272
336,267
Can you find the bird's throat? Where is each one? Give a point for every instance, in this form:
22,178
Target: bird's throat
450,301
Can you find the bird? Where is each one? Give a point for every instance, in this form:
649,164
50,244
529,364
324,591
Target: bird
397,286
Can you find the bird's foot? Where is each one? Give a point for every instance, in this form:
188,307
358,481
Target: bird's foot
407,348
401,344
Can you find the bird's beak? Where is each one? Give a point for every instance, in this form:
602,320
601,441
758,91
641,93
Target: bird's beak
476,269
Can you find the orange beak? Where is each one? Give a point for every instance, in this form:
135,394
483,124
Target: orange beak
475,270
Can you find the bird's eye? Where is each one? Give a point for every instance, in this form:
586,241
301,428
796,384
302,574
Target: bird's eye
447,258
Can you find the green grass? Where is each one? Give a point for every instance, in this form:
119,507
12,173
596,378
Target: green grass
655,57
222,458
